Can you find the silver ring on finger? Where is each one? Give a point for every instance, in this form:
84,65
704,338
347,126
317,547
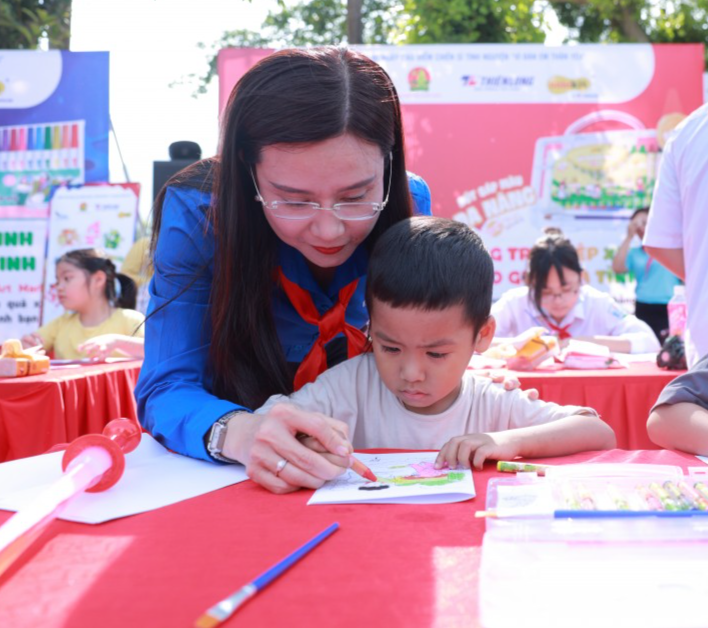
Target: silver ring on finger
280,466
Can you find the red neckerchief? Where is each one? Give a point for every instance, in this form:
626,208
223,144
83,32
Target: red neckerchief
562,332
331,323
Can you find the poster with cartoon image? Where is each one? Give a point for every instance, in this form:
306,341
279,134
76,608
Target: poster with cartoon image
101,216
407,478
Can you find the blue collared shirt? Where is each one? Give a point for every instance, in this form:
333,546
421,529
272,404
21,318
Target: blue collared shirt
175,402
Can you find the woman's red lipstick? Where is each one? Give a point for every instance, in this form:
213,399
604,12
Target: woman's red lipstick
331,250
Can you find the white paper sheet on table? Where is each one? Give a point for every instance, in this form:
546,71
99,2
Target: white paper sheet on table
153,478
408,478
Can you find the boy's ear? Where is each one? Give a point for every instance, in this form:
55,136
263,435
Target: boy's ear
485,335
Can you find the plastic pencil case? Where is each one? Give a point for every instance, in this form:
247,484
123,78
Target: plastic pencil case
650,501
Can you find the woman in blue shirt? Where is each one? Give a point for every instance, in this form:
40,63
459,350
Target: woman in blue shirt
260,259
655,284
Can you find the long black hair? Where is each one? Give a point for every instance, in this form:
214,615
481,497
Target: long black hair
551,251
92,261
295,96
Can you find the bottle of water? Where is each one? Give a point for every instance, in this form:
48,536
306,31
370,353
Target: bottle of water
677,312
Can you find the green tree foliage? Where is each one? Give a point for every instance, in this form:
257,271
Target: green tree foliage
472,21
307,23
24,23
655,21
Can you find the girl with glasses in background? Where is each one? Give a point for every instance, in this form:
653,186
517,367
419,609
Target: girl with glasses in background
556,299
260,258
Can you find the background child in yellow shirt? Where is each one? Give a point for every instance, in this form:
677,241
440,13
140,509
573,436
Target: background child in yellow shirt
101,320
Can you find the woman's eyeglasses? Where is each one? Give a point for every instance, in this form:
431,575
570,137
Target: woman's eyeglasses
296,210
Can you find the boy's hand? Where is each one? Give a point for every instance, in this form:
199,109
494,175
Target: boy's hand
471,450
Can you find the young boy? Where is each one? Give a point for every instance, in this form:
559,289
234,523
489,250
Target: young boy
429,294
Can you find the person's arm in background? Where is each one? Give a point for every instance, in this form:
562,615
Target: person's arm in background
679,419
682,426
619,261
663,238
625,333
101,347
672,259
44,336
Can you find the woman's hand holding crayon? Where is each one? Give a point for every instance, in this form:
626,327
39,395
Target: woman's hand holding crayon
281,461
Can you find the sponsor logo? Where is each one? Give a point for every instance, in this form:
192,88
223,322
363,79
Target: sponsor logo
497,82
562,84
419,80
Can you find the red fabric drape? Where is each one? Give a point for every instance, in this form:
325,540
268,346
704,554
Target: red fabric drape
40,411
622,397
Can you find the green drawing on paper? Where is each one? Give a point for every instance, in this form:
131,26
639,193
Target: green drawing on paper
424,474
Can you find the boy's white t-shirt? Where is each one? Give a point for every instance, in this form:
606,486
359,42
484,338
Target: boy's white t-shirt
354,393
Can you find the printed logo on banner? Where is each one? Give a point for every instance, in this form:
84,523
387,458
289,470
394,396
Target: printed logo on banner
419,79
562,84
497,82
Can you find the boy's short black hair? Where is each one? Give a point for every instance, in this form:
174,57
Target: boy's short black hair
432,263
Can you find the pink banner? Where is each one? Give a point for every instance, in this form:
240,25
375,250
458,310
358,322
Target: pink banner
514,138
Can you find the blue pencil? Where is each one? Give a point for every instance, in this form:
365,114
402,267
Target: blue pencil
224,609
604,514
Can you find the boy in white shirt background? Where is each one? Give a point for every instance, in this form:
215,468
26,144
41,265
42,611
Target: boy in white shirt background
429,294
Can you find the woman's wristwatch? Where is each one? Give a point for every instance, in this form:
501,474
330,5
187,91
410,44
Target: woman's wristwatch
216,437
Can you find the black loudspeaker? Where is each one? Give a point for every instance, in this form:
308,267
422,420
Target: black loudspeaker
163,170
181,155
185,150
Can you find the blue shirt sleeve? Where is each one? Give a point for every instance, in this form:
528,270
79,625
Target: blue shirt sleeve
175,403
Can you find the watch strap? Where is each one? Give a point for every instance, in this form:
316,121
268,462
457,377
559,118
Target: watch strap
216,436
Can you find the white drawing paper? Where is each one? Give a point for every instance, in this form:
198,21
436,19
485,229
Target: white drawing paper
406,478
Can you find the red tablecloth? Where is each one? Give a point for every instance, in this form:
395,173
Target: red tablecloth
623,397
388,565
40,411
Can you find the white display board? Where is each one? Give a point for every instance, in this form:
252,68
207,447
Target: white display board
98,216
22,244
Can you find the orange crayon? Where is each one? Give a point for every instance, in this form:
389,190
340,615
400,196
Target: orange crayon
359,467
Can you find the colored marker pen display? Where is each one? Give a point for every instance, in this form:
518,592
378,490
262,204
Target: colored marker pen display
35,157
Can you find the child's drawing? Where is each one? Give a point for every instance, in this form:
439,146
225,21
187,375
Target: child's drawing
401,478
